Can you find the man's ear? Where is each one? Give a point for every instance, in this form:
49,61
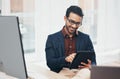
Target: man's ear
65,18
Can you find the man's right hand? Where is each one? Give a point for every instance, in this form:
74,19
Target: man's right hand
70,57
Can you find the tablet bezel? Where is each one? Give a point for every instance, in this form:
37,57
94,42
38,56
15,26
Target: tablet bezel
81,56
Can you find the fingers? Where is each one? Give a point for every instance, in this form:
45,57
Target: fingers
85,65
70,57
80,67
89,61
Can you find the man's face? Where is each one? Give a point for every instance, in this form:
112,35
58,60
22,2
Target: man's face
72,23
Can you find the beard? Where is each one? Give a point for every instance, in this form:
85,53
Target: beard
71,30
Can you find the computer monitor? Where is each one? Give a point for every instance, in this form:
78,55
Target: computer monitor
105,72
12,60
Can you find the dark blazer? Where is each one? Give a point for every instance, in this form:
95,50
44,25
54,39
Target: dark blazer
55,51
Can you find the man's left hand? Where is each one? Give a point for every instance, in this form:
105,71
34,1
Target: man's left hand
84,65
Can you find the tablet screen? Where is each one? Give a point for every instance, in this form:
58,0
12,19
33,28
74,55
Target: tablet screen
81,56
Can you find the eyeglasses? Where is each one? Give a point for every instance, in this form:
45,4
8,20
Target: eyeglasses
73,22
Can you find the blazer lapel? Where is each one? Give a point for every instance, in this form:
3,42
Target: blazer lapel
77,44
61,41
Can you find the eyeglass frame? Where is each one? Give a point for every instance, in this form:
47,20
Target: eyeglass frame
72,22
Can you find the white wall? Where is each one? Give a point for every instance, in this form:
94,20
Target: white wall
108,37
108,30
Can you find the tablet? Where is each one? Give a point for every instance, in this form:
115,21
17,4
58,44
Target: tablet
81,56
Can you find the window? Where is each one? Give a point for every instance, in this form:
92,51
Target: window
24,9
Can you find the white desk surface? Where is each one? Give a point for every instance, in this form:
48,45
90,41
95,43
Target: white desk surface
39,72
36,71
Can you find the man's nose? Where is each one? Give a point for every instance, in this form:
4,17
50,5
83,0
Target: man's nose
75,26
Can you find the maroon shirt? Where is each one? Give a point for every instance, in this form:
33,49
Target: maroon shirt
69,43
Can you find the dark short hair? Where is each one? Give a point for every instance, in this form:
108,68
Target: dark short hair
75,9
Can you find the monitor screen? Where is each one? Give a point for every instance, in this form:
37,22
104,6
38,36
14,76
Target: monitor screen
12,60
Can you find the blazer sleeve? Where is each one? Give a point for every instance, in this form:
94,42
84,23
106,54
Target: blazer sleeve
54,61
91,48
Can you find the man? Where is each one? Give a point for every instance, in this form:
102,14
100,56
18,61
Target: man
61,47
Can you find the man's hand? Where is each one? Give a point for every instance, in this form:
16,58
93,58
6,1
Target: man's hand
86,65
70,57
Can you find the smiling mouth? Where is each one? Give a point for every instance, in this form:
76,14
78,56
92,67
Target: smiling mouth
72,29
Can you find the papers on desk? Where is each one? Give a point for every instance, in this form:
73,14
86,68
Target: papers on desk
5,76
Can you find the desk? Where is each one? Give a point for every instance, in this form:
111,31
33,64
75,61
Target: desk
5,76
38,72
